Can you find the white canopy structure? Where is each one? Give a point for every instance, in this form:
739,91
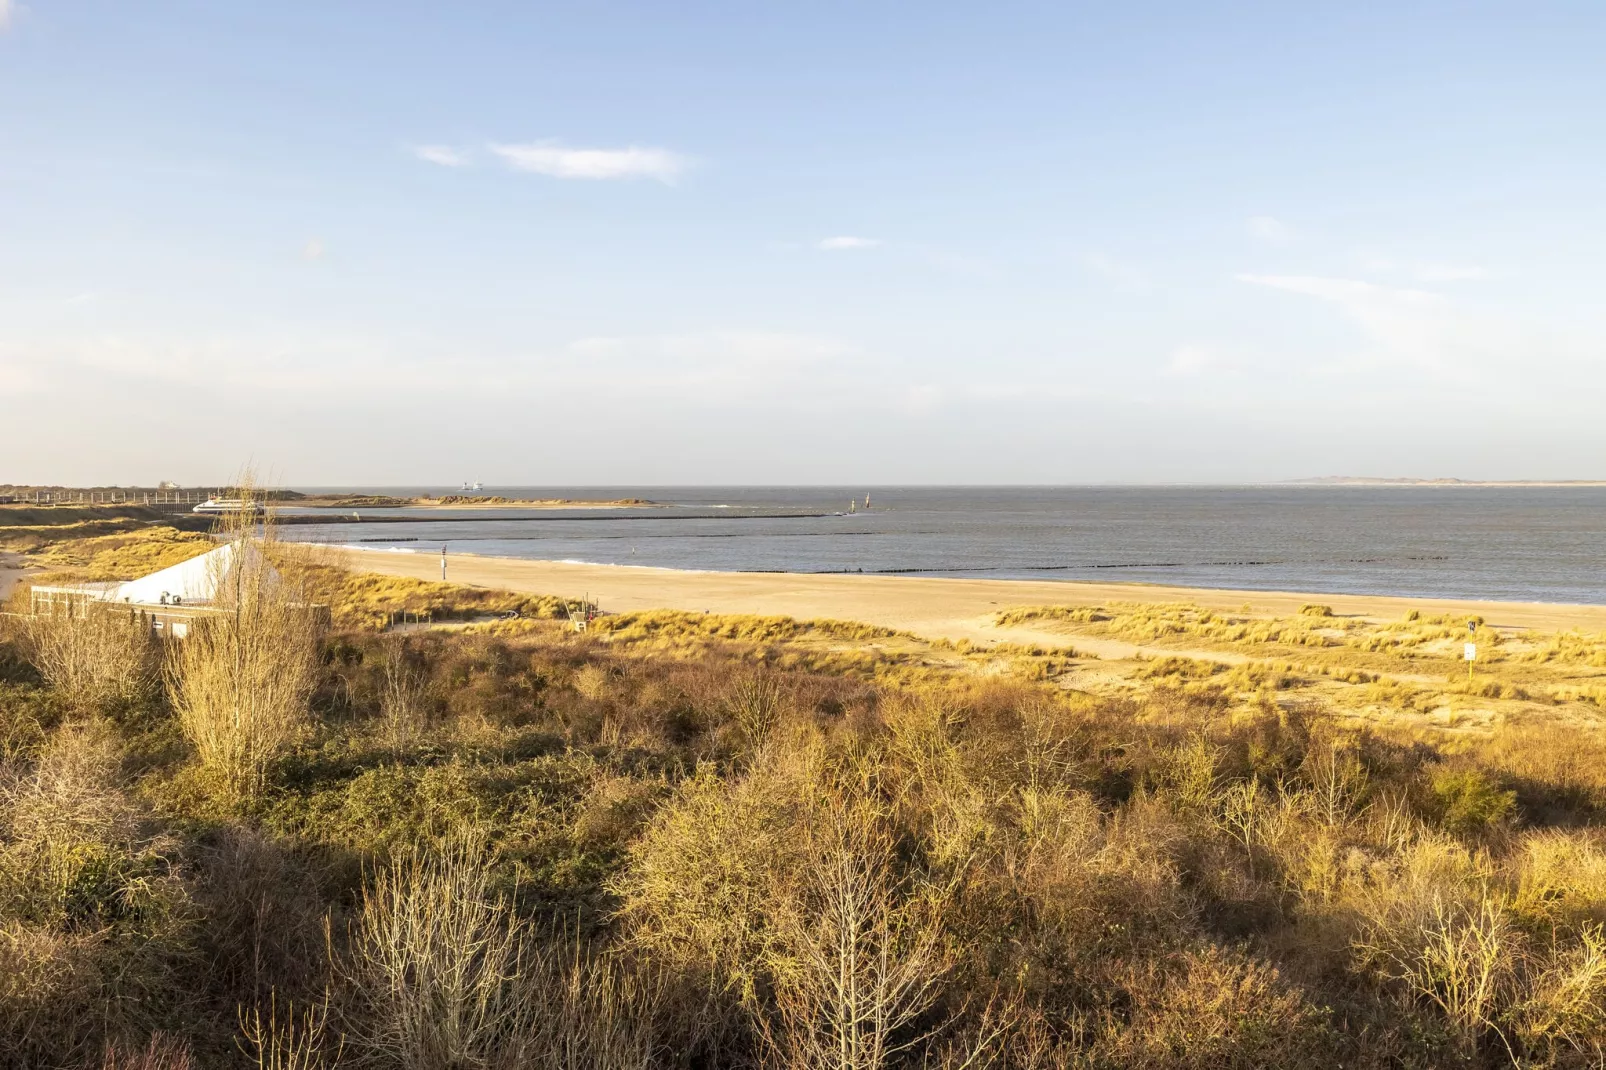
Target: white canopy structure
189,582
170,600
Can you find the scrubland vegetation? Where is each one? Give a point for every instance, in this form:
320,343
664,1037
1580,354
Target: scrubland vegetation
35,528
1414,663
682,840
120,556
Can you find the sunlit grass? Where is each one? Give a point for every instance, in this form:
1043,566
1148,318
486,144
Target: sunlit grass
124,555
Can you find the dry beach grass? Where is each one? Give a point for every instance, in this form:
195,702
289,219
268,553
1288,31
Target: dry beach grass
1119,827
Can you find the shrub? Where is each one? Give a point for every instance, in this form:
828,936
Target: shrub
1468,801
1212,1008
756,702
1566,1006
261,917
403,700
242,678
26,713
92,654
435,961
92,918
65,830
161,1052
286,1038
857,951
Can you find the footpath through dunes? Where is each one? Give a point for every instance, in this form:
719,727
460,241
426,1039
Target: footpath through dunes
12,567
933,608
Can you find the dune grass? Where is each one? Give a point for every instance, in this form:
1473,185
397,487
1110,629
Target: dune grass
671,624
371,602
1420,654
23,515
681,840
123,555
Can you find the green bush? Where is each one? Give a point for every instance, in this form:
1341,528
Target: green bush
1466,801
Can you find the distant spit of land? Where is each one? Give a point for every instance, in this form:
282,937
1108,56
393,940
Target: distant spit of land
170,495
460,501
1442,481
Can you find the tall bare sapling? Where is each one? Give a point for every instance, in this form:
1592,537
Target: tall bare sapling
242,677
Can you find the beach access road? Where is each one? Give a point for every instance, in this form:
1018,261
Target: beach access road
933,608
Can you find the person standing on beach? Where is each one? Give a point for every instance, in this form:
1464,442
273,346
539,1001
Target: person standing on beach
443,562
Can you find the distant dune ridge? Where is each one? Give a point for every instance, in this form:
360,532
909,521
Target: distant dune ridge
1439,481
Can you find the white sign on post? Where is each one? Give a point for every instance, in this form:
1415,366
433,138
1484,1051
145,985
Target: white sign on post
1470,652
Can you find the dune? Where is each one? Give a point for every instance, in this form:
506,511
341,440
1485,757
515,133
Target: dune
935,608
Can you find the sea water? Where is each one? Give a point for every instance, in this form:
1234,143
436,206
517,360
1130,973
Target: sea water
1511,543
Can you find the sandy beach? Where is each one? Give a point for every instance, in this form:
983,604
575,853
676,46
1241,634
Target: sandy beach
934,608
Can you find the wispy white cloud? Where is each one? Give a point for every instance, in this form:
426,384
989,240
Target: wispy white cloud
1432,271
8,12
961,264
1450,273
1449,341
846,241
1199,359
561,161
701,368
1270,230
706,367
313,250
1416,326
1126,276
442,155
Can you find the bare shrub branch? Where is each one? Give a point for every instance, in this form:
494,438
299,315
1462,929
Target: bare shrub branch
242,678
92,654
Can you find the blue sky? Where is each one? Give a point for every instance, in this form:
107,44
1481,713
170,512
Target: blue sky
638,243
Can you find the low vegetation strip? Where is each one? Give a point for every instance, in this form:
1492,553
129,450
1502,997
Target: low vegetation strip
692,840
673,624
372,602
1418,653
121,555
57,515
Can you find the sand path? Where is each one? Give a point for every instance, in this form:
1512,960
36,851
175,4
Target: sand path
934,608
11,571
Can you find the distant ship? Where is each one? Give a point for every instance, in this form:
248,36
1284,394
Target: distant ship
228,505
477,485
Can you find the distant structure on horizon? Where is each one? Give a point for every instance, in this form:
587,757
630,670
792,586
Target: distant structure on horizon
1440,481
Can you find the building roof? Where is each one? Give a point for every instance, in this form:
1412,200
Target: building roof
195,580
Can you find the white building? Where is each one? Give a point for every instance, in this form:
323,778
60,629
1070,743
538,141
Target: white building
166,600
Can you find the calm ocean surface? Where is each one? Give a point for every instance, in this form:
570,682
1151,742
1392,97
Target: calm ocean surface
1514,543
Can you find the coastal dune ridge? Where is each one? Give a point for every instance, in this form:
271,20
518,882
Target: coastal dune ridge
930,607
